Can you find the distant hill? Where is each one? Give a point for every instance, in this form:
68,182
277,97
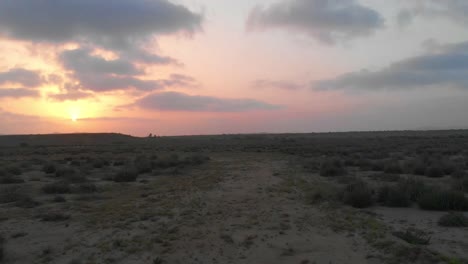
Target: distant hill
65,139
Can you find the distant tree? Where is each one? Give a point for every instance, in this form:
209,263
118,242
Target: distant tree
150,135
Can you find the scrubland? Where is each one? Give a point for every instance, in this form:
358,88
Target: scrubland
376,197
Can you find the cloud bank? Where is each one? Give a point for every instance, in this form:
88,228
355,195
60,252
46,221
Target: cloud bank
446,66
180,102
115,25
324,20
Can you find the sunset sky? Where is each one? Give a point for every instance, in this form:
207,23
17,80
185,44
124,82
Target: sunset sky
184,67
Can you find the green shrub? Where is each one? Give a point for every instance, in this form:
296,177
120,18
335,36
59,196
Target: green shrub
413,236
393,167
142,164
86,188
26,202
10,179
54,217
443,200
459,174
56,188
393,196
413,187
332,168
453,220
2,250
434,171
358,195
377,165
49,168
128,174
15,170
385,177
10,195
64,172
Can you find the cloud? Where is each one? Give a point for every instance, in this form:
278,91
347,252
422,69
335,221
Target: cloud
454,10
173,101
21,76
95,73
70,95
80,60
324,20
281,84
446,66
18,93
116,24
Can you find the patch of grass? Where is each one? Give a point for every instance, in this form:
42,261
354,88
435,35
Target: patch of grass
49,168
10,195
332,168
2,250
413,187
56,188
86,188
453,219
127,174
393,167
10,179
435,171
358,195
393,196
26,202
142,164
413,236
443,200
54,217
385,177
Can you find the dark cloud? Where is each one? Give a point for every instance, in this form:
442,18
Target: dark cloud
116,24
18,93
21,76
454,10
173,101
80,60
447,66
97,74
70,96
324,20
282,84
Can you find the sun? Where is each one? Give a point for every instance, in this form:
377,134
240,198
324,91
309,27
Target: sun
75,114
74,118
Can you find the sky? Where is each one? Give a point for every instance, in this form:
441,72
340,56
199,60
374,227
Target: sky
184,67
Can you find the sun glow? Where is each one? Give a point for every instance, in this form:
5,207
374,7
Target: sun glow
75,114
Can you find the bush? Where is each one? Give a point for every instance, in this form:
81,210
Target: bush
26,202
393,196
453,220
413,187
460,185
358,195
459,174
2,250
63,172
10,195
393,167
54,217
49,168
332,168
86,188
443,200
434,172
10,179
15,170
126,175
413,236
56,188
142,164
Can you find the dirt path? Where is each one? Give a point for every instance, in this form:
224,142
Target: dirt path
242,221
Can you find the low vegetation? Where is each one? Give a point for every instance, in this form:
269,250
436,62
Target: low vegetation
453,219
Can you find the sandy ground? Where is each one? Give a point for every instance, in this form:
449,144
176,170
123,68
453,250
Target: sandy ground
237,208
